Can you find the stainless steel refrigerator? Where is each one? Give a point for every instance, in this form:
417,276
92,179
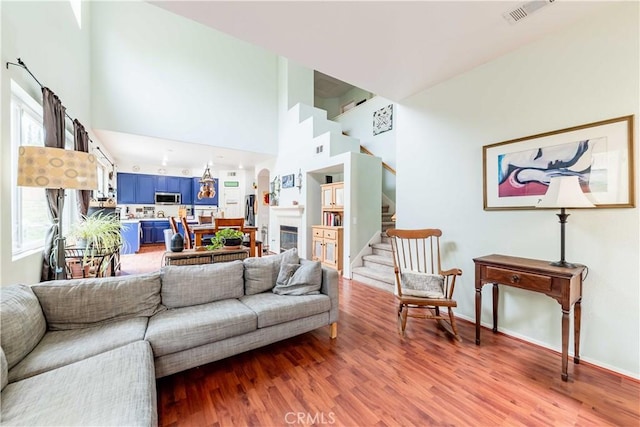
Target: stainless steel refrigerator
250,210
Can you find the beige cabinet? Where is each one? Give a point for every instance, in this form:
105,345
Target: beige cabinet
333,196
327,246
332,203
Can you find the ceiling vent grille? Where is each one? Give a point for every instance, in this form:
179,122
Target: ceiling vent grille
519,13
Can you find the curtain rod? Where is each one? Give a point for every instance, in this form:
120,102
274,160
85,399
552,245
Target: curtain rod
21,64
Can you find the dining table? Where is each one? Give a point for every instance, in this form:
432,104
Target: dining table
201,230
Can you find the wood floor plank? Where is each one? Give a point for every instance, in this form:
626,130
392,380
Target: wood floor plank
370,376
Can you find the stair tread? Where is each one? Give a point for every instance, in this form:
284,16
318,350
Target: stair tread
374,274
379,259
383,246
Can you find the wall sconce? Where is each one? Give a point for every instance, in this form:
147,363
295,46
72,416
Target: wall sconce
299,184
275,190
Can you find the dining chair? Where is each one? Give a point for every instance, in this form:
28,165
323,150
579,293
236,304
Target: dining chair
204,219
237,223
422,287
173,225
188,238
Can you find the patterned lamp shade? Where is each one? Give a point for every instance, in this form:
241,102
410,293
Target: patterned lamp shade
48,167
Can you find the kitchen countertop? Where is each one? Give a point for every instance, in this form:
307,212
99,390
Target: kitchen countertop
190,221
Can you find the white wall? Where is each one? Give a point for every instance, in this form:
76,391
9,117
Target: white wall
358,123
161,75
585,73
46,37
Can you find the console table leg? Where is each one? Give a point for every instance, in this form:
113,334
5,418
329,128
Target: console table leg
478,312
495,307
577,314
565,344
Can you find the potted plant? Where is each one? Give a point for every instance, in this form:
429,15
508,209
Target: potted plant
98,232
229,237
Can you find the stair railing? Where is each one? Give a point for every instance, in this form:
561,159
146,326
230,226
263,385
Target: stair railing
384,165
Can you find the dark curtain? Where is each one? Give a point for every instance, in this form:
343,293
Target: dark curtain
53,122
81,143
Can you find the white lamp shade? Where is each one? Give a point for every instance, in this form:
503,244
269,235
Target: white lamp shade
564,192
48,167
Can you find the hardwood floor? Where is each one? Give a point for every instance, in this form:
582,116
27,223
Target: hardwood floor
369,376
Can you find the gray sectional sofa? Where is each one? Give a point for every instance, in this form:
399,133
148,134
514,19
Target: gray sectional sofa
87,352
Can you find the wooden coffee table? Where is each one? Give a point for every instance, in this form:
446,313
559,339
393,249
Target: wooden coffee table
192,257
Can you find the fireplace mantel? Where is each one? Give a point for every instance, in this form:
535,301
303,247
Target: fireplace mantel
293,210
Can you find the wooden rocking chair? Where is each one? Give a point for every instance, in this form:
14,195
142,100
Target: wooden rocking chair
422,287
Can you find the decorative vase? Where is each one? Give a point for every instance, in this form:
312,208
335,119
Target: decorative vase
177,243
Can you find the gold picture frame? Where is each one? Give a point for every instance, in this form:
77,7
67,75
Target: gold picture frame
517,172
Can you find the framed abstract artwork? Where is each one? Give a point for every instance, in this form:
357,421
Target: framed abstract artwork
516,173
383,119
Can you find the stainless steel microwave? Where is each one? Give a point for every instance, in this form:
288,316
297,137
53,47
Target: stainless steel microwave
167,199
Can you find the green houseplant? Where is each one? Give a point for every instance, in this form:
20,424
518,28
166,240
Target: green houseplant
98,232
226,237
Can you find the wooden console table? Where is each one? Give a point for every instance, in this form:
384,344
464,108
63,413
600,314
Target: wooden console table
560,283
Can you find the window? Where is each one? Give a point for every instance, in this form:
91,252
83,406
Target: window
29,211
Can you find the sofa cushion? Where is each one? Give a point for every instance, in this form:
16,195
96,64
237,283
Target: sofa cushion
22,323
60,348
260,274
187,285
4,369
82,303
304,279
187,327
116,388
273,309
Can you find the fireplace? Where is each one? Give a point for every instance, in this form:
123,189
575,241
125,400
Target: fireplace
288,237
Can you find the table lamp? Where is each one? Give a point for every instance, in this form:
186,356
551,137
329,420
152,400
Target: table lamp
48,167
564,192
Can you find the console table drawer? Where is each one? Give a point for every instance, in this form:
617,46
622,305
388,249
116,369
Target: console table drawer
519,279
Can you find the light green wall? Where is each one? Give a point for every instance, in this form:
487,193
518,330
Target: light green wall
584,73
46,37
158,74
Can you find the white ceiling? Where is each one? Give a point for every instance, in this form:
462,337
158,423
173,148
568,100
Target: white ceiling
391,48
164,153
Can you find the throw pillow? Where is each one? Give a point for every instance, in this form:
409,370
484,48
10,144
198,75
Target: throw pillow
23,324
306,279
417,284
4,378
261,274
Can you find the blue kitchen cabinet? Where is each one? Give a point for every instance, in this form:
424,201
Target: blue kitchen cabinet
158,230
213,201
147,232
173,184
186,191
127,183
167,184
145,189
160,183
131,236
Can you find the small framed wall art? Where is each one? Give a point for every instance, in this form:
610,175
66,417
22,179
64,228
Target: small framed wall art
288,181
383,120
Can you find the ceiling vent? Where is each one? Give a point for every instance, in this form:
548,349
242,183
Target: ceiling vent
519,13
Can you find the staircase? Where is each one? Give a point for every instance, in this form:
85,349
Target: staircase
377,268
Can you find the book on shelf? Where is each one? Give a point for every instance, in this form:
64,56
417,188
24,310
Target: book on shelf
332,219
